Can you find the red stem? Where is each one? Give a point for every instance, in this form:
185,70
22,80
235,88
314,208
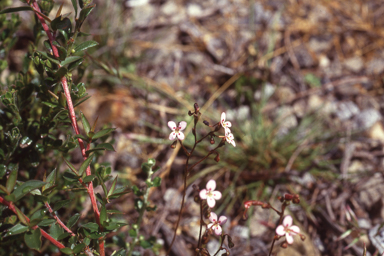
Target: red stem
73,121
58,219
11,206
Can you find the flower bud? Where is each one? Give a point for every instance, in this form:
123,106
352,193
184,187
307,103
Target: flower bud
302,237
217,158
173,145
288,197
205,238
284,245
197,108
296,200
212,141
196,199
206,123
190,113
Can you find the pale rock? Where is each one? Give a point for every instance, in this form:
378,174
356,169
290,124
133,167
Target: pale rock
324,62
376,132
194,10
366,119
240,232
259,216
375,66
317,45
242,113
143,14
286,118
299,108
354,64
371,192
169,8
285,94
172,198
267,92
346,110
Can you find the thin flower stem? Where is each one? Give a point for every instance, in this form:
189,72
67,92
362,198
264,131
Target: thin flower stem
280,221
12,207
201,223
58,219
72,115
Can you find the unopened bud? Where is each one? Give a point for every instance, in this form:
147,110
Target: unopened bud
296,200
173,145
288,197
217,158
195,187
302,237
212,141
284,245
197,108
196,199
280,198
206,122
190,113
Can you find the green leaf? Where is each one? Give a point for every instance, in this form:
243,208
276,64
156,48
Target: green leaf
46,222
16,9
11,182
91,226
145,244
33,239
83,15
11,220
114,212
73,169
103,214
27,187
50,180
132,232
48,57
78,248
86,125
21,216
17,229
70,59
55,231
4,189
69,176
156,181
75,64
85,164
64,33
113,186
101,146
61,72
103,133
61,23
151,208
66,251
74,3
60,204
63,236
25,142
3,170
81,101
85,45
72,221
89,178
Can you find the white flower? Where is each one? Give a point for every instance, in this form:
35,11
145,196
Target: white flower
230,139
210,194
176,130
287,229
216,224
225,125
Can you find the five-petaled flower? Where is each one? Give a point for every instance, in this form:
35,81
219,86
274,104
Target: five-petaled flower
287,229
216,223
225,124
230,139
210,194
176,130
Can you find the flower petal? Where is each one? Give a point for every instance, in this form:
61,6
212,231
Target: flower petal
287,222
213,217
222,220
222,117
210,225
227,124
233,143
182,125
211,185
289,238
172,136
172,125
218,230
203,194
216,195
180,135
280,230
211,202
295,230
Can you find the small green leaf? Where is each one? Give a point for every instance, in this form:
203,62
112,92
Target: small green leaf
73,169
33,239
25,142
21,216
85,45
81,101
145,244
85,164
11,220
4,189
78,248
156,181
61,72
103,133
114,212
89,178
46,222
27,187
66,251
86,125
83,15
69,176
113,186
17,229
16,9
48,57
70,59
75,64
91,226
63,236
11,182
72,221
74,3
60,204
61,23
132,232
103,214
50,180
64,33
3,170
151,208
55,231
101,146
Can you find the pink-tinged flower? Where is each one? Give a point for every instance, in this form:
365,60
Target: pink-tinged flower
216,223
287,229
210,194
230,139
176,130
225,124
